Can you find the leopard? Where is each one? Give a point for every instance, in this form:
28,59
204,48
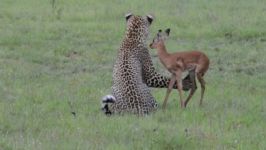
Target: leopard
134,73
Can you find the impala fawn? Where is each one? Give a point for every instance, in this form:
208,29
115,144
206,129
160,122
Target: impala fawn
178,62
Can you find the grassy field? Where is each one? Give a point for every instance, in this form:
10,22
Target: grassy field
56,58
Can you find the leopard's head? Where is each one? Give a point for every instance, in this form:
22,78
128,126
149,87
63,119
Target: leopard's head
138,27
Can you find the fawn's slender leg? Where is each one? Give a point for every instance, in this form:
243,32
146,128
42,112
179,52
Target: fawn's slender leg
193,87
179,87
169,89
202,83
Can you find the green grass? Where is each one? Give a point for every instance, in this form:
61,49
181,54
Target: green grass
57,58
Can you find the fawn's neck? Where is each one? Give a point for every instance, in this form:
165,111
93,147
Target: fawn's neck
162,52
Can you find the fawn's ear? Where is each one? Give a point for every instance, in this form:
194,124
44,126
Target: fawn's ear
159,32
128,15
150,18
167,31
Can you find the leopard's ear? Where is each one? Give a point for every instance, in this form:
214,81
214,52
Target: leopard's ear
150,18
128,15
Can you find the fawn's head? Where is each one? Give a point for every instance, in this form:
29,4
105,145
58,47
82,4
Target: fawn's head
159,38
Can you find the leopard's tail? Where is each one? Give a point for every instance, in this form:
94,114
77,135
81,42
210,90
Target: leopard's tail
106,100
